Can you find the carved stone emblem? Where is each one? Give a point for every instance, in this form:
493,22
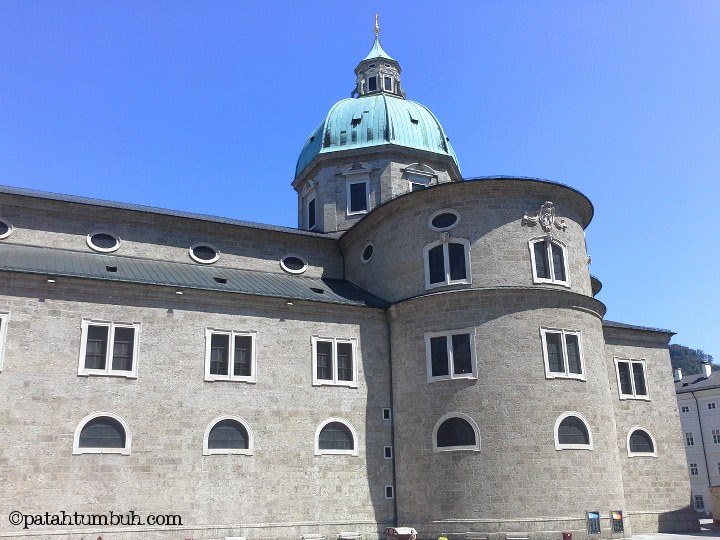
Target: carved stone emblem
546,218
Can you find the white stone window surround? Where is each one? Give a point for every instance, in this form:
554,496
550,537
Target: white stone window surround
451,374
566,374
631,364
549,241
332,451
335,381
291,270
109,371
252,378
445,241
563,446
388,452
390,492
9,227
363,252
128,435
419,174
4,318
641,454
191,253
228,451
444,211
438,449
367,197
91,245
357,173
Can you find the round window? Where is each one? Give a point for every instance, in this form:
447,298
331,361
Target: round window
444,220
5,229
293,264
204,253
103,241
367,253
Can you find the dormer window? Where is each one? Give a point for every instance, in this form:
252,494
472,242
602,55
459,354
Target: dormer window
372,84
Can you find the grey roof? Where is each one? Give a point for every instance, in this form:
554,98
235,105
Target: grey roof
64,263
613,324
161,211
697,381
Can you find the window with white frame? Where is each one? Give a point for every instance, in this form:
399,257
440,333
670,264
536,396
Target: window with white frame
699,503
549,261
716,436
336,436
631,379
456,431
228,435
102,433
563,354
640,443
693,469
447,262
451,355
358,197
229,356
109,348
3,332
689,440
572,432
334,362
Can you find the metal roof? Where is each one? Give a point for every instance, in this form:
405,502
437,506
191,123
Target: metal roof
613,324
24,192
77,264
697,381
377,52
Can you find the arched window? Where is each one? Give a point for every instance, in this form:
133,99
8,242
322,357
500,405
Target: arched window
227,435
447,261
572,432
640,443
549,261
335,436
102,433
455,431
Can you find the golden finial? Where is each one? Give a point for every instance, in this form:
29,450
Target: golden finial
377,25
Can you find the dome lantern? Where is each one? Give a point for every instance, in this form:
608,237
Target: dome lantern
378,72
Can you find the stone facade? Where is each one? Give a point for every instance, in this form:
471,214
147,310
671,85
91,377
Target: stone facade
482,392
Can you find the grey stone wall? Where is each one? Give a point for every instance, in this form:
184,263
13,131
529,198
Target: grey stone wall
654,501
281,491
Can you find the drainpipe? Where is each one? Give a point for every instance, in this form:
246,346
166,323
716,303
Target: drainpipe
702,440
392,419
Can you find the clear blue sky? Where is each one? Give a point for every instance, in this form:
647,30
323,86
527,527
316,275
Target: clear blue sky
204,106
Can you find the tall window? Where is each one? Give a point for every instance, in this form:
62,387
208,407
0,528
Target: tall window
447,262
108,348
229,356
227,435
451,355
357,194
640,443
693,469
689,439
572,432
334,362
102,433
549,261
699,503
311,214
562,351
3,332
631,379
336,436
716,436
455,431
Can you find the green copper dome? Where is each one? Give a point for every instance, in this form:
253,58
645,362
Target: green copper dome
374,120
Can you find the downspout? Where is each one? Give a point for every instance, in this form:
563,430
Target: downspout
702,440
392,420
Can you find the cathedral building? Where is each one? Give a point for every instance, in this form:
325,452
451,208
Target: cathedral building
424,350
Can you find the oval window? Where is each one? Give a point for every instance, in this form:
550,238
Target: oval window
367,253
204,253
103,241
293,264
5,229
444,220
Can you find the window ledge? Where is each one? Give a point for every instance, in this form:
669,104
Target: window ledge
227,452
469,377
573,377
122,451
87,373
229,379
440,450
625,397
347,384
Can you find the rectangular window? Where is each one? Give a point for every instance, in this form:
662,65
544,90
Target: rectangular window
388,84
108,348
389,492
388,452
711,405
693,469
357,193
451,355
699,503
334,362
229,356
549,261
447,262
372,84
631,378
562,351
3,331
689,440
387,413
311,214
685,408
716,436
